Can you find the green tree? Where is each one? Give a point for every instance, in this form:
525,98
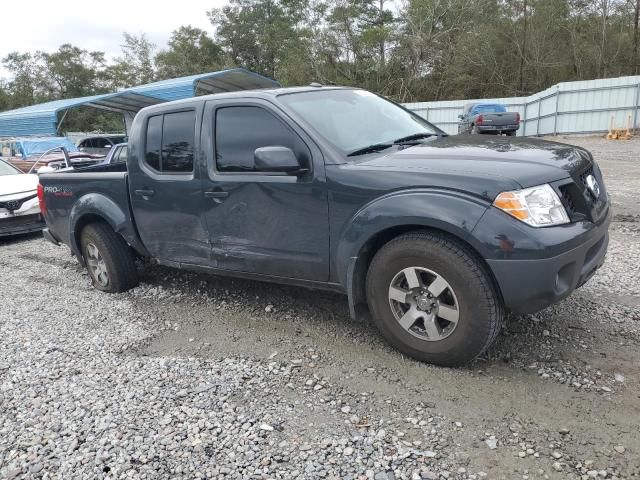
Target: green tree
136,66
73,72
25,86
257,34
356,43
66,73
190,51
5,97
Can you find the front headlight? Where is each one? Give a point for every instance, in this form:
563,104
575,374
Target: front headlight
537,206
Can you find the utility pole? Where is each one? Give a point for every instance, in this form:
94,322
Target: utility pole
523,53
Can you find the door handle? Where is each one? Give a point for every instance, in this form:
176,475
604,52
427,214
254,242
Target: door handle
216,194
145,192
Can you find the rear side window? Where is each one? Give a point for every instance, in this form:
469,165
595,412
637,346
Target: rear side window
154,139
241,130
169,142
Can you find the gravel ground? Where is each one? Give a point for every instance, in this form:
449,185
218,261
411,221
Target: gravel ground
193,376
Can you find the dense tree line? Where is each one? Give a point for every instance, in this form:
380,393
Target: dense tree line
409,50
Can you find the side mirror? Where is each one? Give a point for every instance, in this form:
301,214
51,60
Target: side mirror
277,159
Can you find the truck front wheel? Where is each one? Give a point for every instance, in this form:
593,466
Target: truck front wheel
109,261
432,299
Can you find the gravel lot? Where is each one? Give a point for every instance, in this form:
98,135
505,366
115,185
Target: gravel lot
193,376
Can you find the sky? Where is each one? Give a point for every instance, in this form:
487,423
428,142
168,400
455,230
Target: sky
31,25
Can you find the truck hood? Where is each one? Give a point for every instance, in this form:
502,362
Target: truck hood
520,162
15,184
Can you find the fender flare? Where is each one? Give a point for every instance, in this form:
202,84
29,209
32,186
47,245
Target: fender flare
94,205
453,212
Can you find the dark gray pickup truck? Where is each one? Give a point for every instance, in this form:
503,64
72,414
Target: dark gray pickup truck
488,118
433,237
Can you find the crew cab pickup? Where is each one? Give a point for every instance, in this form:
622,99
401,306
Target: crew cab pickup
488,118
433,237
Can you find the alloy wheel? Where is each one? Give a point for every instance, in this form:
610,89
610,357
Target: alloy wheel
97,265
424,303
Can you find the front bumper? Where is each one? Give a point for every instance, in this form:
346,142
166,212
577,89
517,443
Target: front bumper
21,224
531,284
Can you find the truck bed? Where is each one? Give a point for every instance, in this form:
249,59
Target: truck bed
103,186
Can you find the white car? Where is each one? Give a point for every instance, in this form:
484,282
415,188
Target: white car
19,206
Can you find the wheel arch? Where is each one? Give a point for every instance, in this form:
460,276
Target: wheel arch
448,212
99,208
80,224
359,265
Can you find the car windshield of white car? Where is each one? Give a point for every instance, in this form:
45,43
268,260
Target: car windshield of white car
6,169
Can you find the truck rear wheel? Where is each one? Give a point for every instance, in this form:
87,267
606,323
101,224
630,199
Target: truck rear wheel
109,261
432,299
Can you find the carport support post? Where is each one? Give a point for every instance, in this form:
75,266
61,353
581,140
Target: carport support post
524,120
128,120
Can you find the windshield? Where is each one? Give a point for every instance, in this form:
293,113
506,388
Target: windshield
6,169
353,119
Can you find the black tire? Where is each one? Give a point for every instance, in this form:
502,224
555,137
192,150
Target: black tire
511,134
480,309
117,259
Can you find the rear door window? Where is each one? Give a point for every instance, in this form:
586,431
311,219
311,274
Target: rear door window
169,142
177,142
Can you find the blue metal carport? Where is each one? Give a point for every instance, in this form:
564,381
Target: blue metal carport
42,119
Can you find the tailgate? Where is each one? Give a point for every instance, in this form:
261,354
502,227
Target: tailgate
500,119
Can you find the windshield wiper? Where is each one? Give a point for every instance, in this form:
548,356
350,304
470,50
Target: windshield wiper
415,136
376,147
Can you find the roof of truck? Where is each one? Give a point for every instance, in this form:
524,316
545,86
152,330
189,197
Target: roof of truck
256,93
